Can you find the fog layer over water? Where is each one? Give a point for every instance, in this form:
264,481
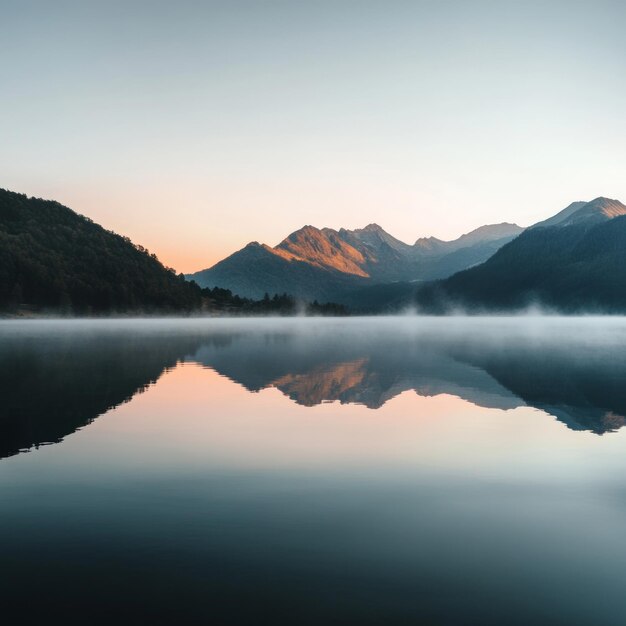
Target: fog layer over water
379,470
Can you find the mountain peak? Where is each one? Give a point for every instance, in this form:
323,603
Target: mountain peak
491,232
323,248
604,200
482,234
307,235
598,210
376,240
608,207
428,244
306,230
373,227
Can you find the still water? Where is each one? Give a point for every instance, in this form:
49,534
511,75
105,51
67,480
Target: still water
313,471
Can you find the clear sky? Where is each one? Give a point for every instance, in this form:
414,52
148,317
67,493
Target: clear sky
194,127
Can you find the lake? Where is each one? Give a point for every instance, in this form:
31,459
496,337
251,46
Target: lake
313,471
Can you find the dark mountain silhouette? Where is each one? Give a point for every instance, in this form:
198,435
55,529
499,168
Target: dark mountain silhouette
573,262
326,264
51,258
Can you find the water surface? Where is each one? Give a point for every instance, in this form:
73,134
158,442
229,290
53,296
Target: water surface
303,471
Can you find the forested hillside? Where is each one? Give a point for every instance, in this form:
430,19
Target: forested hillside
53,258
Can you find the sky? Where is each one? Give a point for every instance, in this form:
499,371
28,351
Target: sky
195,127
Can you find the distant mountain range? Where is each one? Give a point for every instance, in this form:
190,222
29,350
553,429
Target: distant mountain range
327,264
572,262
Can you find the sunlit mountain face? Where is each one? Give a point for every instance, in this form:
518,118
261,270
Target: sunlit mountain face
324,263
57,379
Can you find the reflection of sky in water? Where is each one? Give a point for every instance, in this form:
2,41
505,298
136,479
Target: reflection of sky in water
199,493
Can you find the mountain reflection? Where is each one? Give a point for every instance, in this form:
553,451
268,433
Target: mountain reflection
581,383
56,378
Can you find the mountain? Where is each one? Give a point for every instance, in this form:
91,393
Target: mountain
483,234
327,264
598,210
258,269
573,262
561,216
52,258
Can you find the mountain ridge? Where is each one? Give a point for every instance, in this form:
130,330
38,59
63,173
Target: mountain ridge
321,263
575,264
